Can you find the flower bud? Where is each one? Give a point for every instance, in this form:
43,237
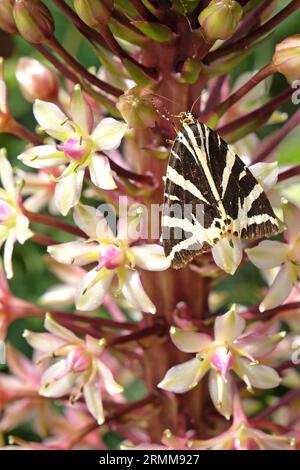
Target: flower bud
34,21
7,22
36,80
94,13
286,58
136,107
220,19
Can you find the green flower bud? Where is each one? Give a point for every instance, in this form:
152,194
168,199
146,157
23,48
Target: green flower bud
94,13
220,19
34,21
286,58
136,107
7,22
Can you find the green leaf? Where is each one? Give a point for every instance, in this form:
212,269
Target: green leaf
155,31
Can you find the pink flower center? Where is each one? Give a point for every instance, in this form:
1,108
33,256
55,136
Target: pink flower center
222,360
76,148
111,258
77,360
5,211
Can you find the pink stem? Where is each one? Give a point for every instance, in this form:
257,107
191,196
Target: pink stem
258,114
243,90
285,400
53,222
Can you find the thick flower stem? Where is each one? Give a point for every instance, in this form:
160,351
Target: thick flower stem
248,40
53,222
168,288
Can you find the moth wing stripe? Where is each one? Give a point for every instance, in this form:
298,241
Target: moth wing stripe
230,160
187,185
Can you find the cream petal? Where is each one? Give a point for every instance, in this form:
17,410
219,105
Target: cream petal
265,173
100,172
111,385
189,341
150,257
75,253
268,254
58,296
256,345
56,329
93,400
81,111
7,255
43,156
256,375
22,229
135,294
92,222
44,342
55,382
68,191
6,173
108,134
281,287
92,289
227,256
221,393
184,377
52,119
229,326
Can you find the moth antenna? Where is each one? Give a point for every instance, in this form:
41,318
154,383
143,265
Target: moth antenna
193,105
165,113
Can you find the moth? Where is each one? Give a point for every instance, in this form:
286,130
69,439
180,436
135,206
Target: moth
209,194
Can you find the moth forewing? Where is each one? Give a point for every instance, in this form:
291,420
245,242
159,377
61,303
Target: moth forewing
209,194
